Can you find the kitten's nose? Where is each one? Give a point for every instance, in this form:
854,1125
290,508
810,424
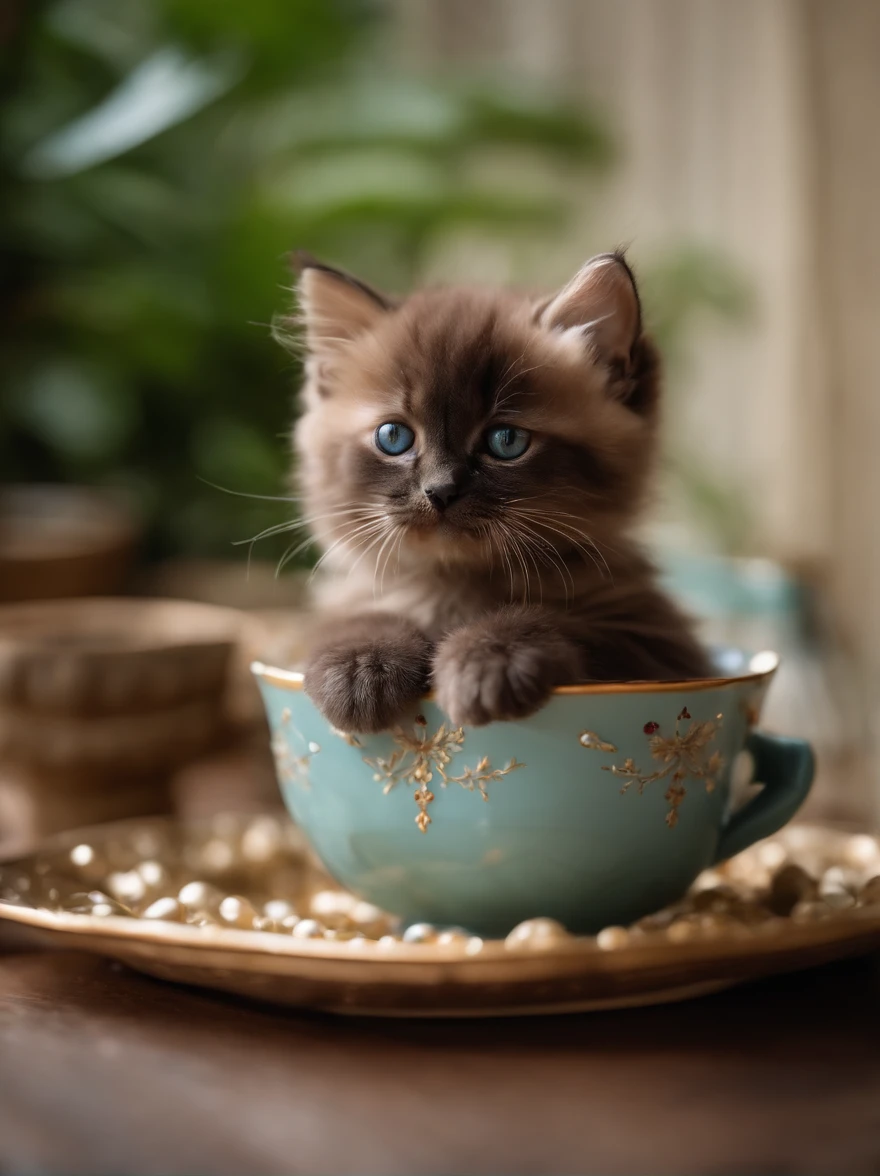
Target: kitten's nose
441,494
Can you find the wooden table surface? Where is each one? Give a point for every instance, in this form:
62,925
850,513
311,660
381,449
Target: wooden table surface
105,1071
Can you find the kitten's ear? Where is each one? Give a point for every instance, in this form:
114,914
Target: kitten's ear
601,303
335,306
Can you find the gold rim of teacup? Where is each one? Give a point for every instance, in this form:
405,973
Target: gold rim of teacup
761,667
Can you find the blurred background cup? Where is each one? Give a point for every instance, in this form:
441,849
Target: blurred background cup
160,158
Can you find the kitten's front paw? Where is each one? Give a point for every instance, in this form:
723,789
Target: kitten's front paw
503,667
365,685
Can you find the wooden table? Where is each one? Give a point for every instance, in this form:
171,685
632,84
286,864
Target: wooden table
104,1071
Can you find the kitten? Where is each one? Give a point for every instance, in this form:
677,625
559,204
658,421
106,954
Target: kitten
471,463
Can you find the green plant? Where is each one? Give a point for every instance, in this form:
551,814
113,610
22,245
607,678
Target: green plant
159,158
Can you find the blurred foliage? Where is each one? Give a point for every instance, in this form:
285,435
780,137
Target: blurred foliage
158,158
679,289
686,284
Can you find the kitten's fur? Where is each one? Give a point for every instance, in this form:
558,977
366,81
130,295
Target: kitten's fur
527,579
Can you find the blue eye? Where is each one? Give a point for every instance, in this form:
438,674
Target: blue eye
507,443
394,439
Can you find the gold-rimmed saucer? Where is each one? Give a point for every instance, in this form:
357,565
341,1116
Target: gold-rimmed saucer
239,905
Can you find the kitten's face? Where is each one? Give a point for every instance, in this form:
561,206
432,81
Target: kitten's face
466,425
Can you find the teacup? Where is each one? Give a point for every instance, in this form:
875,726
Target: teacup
601,808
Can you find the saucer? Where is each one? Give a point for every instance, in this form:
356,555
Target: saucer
239,905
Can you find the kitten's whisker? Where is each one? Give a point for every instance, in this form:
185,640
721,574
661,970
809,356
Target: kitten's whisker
517,551
527,543
559,515
582,548
528,550
492,527
595,546
389,538
372,543
277,529
294,524
513,363
243,494
519,547
551,557
388,555
589,540
537,546
363,530
509,375
291,553
575,537
542,517
374,538
400,546
369,524
515,376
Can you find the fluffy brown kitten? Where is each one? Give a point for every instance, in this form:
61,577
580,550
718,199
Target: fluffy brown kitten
471,463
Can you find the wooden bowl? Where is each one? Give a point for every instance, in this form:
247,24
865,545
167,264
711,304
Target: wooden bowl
102,699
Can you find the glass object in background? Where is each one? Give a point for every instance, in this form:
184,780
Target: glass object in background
758,604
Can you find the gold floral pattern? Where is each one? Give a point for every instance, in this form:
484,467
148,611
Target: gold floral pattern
421,757
681,755
293,767
347,737
593,742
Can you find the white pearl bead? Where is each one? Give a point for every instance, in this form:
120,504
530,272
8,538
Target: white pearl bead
82,855
771,854
837,900
366,916
682,931
611,938
262,841
420,933
127,885
453,937
200,894
278,909
167,909
862,850
536,934
153,873
217,855
237,912
308,929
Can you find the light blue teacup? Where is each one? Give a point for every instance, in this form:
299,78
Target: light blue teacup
599,809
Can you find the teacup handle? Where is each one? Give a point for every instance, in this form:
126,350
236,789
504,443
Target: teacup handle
785,767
